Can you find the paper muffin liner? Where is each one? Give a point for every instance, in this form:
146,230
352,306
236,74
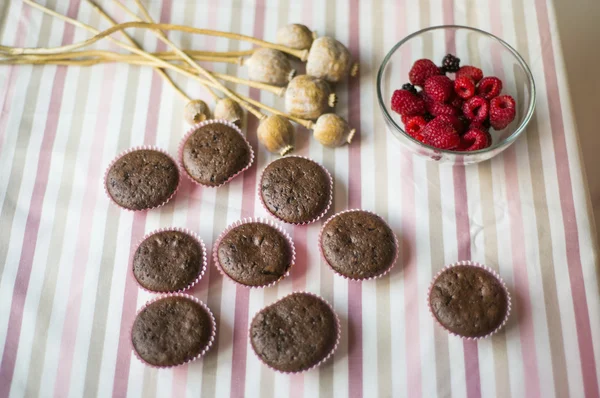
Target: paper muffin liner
186,296
385,272
236,224
264,205
494,274
128,151
329,355
192,130
176,229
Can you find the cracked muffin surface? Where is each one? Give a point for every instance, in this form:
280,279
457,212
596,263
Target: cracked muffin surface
468,301
254,254
294,189
214,153
295,333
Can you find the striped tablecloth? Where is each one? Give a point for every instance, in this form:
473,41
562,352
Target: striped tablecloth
67,299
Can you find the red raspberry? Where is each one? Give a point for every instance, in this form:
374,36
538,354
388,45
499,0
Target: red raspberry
407,104
439,108
475,139
489,87
439,88
441,135
422,70
502,111
414,127
464,87
458,125
485,125
476,109
470,71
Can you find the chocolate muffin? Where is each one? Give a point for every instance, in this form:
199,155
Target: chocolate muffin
142,179
254,254
358,244
468,301
168,261
295,190
171,331
214,153
295,333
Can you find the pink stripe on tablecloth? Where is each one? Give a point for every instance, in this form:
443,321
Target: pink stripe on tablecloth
9,88
355,335
519,257
240,327
565,188
411,288
137,232
471,352
15,321
79,264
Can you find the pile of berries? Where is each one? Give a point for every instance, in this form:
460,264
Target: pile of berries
452,114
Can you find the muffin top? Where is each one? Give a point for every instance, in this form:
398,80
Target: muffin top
168,261
295,190
358,244
142,179
468,301
171,331
214,153
255,254
295,333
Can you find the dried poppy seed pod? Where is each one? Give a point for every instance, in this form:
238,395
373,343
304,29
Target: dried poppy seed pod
295,36
270,66
196,111
228,109
332,131
330,60
277,134
308,97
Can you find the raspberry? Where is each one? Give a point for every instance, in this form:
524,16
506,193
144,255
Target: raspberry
407,104
422,70
502,111
475,139
439,88
441,135
414,127
405,119
450,63
409,87
464,87
458,125
470,71
485,125
439,108
476,109
489,87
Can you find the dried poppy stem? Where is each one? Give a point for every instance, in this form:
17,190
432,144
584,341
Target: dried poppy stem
164,64
162,36
302,54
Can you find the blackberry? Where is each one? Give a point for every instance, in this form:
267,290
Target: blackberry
450,63
409,87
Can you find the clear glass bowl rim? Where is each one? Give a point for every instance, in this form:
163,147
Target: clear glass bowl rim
506,142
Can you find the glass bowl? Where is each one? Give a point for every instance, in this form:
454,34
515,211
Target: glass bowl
474,47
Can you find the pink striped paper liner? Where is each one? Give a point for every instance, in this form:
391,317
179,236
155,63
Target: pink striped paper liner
140,148
264,205
386,271
243,221
173,229
494,274
329,355
188,297
192,130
